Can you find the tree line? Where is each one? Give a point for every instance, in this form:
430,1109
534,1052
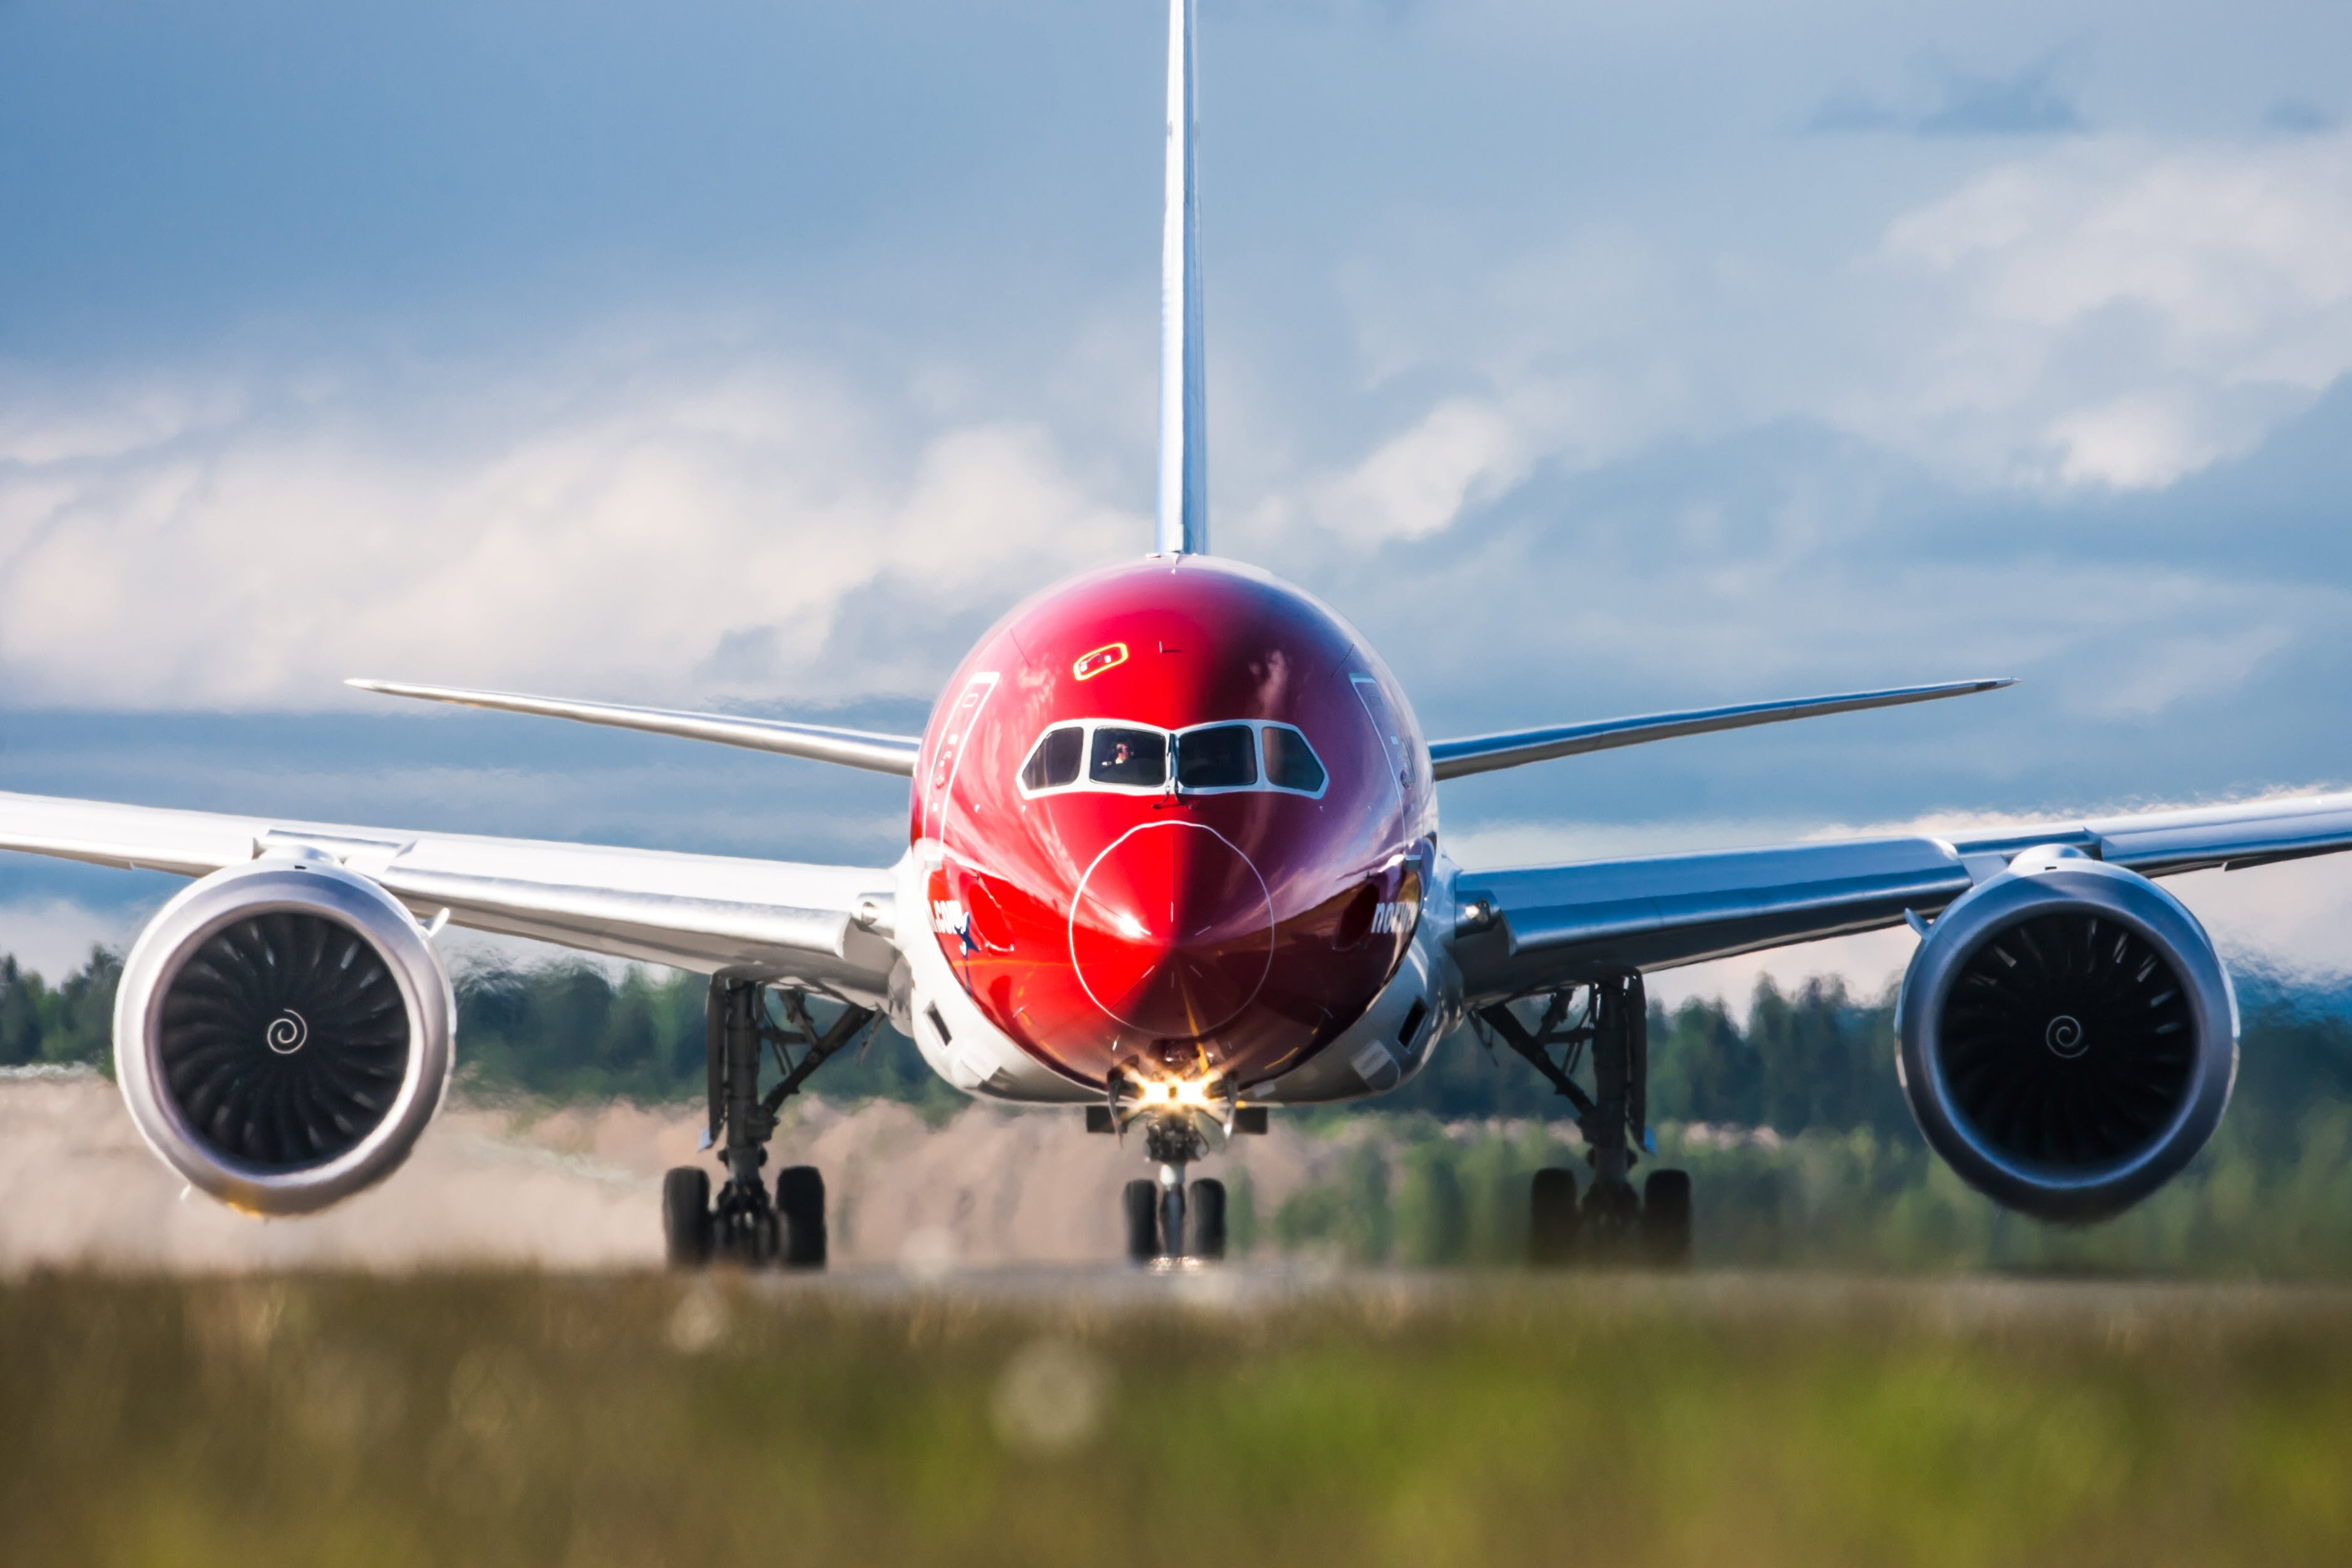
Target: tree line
566,1031
1786,1111
1814,1058
72,1023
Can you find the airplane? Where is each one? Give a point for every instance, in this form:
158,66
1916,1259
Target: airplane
1173,860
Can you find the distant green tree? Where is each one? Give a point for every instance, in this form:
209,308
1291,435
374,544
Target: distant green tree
1703,1067
569,1032
1469,1079
82,1028
1432,1214
1820,1059
72,1024
23,1001
1349,1216
1241,1213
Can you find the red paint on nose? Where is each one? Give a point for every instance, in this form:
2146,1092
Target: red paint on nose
1172,931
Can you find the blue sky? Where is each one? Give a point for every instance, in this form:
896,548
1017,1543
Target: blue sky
1593,358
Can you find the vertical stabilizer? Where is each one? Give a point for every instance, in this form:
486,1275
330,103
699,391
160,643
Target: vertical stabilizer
1183,404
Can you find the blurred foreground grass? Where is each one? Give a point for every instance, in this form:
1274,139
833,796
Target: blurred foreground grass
1488,1419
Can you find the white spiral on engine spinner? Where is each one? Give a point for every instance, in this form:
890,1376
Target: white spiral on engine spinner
2064,1036
289,1032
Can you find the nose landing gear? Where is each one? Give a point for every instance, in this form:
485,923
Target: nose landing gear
1614,1222
745,1224
1170,1221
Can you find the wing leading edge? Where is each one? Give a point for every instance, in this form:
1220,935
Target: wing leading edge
1482,754
824,926
820,743
1531,928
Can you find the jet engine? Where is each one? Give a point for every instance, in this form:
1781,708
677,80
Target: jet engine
2066,1037
282,1034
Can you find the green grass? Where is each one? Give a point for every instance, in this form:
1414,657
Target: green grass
1475,1419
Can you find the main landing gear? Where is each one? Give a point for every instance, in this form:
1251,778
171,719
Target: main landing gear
1614,1222
746,1225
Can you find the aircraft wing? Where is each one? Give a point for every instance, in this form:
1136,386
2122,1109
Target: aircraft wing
821,743
1484,753
828,927
1532,929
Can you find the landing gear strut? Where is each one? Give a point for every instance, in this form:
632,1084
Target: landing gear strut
745,1224
1168,1220
1612,1220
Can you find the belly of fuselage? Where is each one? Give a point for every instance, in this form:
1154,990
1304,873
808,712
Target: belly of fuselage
1191,974
1387,1038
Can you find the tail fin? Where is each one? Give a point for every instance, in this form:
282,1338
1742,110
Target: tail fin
1183,404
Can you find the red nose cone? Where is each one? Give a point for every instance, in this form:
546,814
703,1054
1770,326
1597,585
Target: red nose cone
1171,931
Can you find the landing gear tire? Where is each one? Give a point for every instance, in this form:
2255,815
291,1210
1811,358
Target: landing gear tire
799,1204
1208,1223
1553,1220
1139,1202
685,1217
1666,1218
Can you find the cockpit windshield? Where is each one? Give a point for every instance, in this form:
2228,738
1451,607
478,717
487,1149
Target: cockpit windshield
1216,756
1054,763
1290,762
1207,758
1135,757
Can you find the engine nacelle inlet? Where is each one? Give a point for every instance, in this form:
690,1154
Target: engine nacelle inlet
2067,1037
282,1034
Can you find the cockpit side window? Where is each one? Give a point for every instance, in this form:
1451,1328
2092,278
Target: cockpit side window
1137,757
1056,761
1290,762
1216,756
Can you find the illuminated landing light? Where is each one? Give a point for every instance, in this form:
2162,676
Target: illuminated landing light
1195,1094
1208,1095
1184,1094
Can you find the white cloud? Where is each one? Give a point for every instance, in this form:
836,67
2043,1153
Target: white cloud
2179,668
2110,312
594,527
2116,312
52,938
685,516
1416,484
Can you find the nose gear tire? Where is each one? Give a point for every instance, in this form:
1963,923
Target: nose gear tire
1139,1202
1208,1218
685,1217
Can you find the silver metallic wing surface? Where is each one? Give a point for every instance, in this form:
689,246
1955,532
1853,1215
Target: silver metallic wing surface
1529,929
850,747
1553,925
2160,843
824,926
1482,754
